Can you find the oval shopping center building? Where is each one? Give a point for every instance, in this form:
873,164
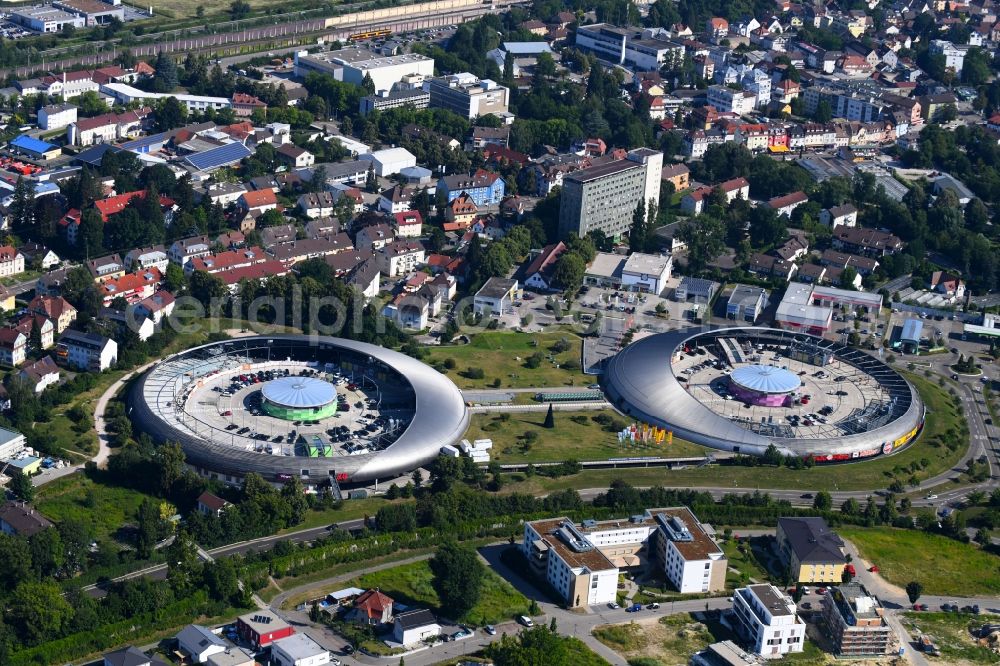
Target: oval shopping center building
743,389
323,410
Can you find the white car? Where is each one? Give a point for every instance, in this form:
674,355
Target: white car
931,497
526,621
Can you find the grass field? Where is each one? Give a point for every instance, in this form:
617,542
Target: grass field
351,510
412,584
575,436
950,633
943,566
746,564
942,417
503,355
103,509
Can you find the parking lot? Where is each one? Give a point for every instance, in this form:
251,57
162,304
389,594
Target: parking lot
230,406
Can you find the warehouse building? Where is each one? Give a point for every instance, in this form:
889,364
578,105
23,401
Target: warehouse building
46,18
352,64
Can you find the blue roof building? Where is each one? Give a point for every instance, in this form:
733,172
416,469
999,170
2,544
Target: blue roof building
909,339
28,145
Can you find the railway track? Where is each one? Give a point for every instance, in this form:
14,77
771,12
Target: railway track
406,18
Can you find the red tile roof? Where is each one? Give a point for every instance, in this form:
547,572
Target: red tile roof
116,204
259,198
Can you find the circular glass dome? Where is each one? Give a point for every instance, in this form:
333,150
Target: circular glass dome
765,379
299,392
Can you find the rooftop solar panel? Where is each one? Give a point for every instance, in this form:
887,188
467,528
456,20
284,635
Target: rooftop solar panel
219,157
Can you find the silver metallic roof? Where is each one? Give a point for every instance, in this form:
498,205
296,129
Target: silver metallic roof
640,382
765,379
299,392
440,416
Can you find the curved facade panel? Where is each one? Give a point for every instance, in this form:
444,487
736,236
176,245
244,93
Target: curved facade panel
640,382
439,414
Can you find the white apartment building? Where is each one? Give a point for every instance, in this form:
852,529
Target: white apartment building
87,351
727,100
954,54
767,620
603,197
400,257
577,559
570,562
56,116
644,50
468,95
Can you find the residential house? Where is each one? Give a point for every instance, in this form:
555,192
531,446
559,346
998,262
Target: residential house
396,199
280,233
460,212
769,266
210,504
322,226
40,256
259,201
374,236
184,250
41,374
316,204
693,203
11,261
409,224
21,519
107,128
784,205
538,274
373,607
56,308
484,187
948,284
292,252
260,628
199,643
133,287
29,323
677,175
400,257
244,104
295,157
869,242
844,215
767,620
13,347
56,116
863,265
131,656
813,552
109,267
414,626
156,307
141,258
87,351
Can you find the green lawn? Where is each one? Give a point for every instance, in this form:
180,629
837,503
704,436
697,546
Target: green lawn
503,355
576,436
350,510
943,566
412,584
746,564
942,418
950,633
103,509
